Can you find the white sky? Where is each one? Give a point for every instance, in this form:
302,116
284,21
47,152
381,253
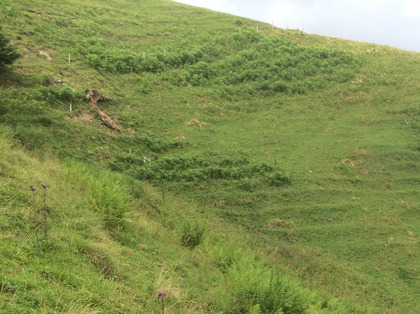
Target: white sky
388,22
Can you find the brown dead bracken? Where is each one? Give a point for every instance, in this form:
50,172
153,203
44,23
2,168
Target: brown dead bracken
94,96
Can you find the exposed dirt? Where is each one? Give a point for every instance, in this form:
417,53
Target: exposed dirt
46,54
85,116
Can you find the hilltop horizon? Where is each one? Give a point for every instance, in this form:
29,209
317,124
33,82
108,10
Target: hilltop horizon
393,23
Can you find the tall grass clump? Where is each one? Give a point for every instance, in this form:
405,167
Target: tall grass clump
192,234
42,212
104,191
254,285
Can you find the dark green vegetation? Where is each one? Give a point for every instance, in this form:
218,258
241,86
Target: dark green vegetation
259,171
8,54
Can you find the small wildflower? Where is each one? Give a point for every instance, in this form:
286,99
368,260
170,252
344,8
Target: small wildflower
33,188
44,186
161,294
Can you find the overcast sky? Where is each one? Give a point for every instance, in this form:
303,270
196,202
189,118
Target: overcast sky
394,23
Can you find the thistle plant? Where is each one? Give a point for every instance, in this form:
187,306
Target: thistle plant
45,193
161,295
33,189
44,211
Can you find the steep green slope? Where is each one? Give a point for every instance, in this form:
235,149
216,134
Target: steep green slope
300,150
94,241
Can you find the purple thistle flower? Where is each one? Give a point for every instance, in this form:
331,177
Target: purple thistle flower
44,186
161,294
33,188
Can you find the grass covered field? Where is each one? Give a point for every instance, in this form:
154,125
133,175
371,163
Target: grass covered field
256,170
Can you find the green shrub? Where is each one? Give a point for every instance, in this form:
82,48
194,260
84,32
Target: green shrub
151,64
200,73
273,53
344,76
277,179
8,54
203,168
66,94
176,77
245,38
184,55
298,88
4,108
279,87
255,287
229,63
51,94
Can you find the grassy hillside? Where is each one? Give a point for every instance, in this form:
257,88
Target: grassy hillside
257,170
